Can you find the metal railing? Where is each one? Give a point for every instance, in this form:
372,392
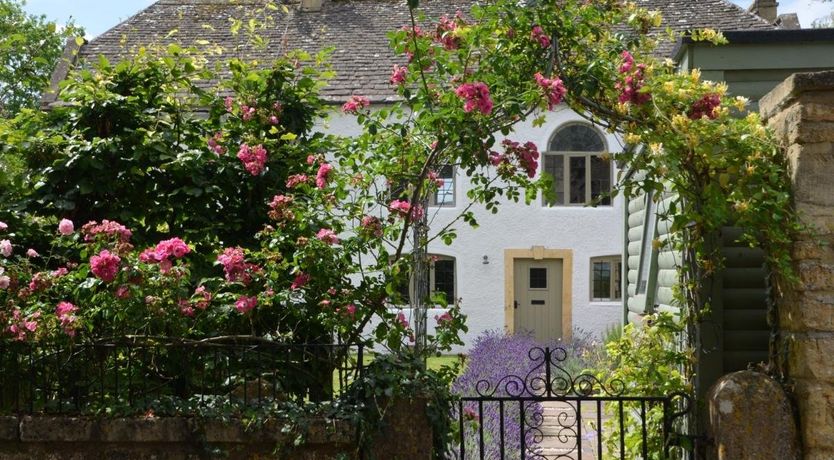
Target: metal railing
136,376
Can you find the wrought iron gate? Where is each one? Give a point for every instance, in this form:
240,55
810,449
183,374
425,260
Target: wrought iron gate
549,414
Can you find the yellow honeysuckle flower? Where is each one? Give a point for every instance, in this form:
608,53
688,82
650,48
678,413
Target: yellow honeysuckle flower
680,121
632,138
740,102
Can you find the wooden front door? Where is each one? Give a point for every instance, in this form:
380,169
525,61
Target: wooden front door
538,298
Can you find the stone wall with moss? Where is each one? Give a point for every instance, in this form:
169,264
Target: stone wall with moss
405,434
801,111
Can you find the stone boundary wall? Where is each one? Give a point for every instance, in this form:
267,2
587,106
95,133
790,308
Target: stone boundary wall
801,111
162,438
405,434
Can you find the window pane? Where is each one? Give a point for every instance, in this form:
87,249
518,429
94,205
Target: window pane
445,194
618,281
538,278
602,280
555,166
444,278
600,178
577,138
577,168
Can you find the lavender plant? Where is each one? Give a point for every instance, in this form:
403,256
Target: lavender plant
498,365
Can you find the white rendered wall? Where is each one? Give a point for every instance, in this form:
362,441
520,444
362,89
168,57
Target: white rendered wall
588,232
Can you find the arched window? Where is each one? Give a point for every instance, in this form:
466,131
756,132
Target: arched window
578,161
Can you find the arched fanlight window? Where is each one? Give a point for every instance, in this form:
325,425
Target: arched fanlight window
578,161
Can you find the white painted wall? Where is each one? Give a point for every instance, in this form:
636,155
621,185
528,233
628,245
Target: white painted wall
588,232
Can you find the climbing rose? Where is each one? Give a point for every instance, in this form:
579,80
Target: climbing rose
705,107
246,304
247,112
105,265
214,144
65,313
6,248
321,176
301,280
554,89
296,180
398,75
372,225
235,266
4,281
355,103
537,34
476,96
3,226
445,32
66,227
32,253
253,160
185,308
526,154
632,82
228,103
108,228
628,62
204,297
444,318
175,248
328,236
279,208
348,310
401,319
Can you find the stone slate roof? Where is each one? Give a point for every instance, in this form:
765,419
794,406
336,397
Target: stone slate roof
356,28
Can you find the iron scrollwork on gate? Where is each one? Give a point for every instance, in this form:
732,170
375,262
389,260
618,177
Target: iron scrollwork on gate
549,414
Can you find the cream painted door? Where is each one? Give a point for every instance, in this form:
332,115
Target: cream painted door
538,297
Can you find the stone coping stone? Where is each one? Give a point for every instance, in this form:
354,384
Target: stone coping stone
164,430
783,95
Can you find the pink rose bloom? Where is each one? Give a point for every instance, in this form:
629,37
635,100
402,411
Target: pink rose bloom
3,226
537,34
109,228
322,175
66,227
444,318
328,236
246,304
214,144
4,281
123,292
254,160
32,253
296,180
301,280
348,310
186,309
247,113
406,210
311,160
476,97
228,103
628,62
204,297
355,103
398,75
401,319
105,265
372,225
273,120
65,308
6,248
554,89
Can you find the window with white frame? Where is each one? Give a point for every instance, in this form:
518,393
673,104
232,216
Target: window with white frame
444,195
442,279
578,161
606,278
